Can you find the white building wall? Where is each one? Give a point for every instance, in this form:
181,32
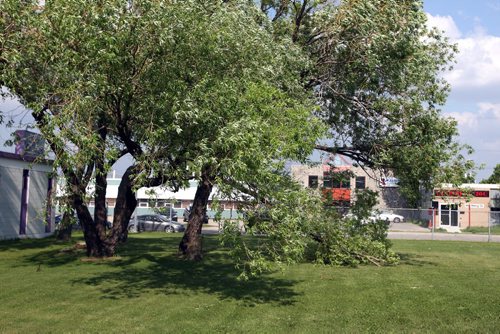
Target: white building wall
11,185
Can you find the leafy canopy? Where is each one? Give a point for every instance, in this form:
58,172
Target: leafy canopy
377,76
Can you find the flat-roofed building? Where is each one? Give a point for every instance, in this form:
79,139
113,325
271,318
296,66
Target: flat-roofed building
468,205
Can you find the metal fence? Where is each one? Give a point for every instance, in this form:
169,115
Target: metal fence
446,218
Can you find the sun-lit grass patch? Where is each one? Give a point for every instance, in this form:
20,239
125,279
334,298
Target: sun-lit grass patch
438,287
483,230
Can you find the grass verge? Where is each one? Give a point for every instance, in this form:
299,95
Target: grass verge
483,230
440,287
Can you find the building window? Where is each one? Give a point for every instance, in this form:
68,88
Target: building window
327,180
313,181
336,181
341,183
360,182
161,203
178,204
143,203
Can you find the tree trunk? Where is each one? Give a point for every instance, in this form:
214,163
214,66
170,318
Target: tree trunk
65,228
98,243
93,242
191,243
124,208
100,209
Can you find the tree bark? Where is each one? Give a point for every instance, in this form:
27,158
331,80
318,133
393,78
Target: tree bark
126,203
65,228
190,246
92,240
100,209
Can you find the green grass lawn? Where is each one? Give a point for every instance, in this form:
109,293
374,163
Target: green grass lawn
440,287
483,230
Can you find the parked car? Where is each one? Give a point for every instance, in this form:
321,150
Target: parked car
367,220
158,223
172,214
389,216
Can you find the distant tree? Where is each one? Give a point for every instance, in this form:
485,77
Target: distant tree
494,177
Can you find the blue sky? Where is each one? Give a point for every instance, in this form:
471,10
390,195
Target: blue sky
475,80
468,14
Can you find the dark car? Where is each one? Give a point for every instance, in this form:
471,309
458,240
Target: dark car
155,223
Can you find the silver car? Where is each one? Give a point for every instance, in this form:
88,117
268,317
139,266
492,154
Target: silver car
157,223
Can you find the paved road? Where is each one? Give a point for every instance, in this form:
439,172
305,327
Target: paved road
407,227
406,231
414,232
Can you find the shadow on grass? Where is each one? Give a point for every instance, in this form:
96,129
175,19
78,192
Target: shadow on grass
414,260
148,263
26,244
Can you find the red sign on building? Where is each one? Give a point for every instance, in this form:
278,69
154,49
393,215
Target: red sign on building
459,193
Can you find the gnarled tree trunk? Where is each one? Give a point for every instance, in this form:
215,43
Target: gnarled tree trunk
92,239
126,203
191,243
99,243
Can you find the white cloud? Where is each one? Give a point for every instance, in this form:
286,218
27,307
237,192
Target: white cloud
487,109
475,80
444,23
494,5
485,112
464,119
477,62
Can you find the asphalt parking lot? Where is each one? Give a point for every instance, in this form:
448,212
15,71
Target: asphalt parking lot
407,227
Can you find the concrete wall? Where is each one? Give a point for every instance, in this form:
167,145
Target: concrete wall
11,187
37,208
11,180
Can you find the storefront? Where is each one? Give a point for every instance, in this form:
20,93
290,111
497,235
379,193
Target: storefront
471,205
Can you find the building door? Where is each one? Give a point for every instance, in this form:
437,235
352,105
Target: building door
448,214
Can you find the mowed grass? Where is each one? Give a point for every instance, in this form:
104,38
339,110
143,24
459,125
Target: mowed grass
483,230
440,287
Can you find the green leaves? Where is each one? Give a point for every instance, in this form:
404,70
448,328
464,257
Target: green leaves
377,76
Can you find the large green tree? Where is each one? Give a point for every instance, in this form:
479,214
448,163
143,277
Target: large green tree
377,75
180,86
93,75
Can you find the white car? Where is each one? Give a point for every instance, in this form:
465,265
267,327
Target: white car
389,216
